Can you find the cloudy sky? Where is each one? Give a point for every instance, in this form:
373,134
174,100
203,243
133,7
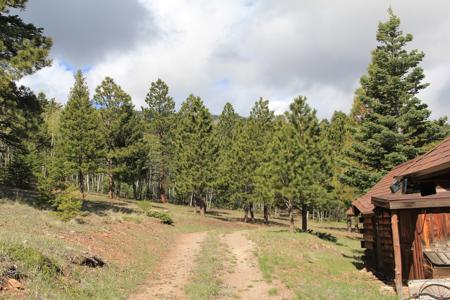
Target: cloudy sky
235,50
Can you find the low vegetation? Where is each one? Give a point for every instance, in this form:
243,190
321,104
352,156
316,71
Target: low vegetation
152,213
205,283
318,265
315,267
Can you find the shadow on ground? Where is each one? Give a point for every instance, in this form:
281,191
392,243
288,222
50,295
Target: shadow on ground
101,208
218,215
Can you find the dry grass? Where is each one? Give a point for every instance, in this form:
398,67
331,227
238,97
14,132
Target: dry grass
314,266
324,264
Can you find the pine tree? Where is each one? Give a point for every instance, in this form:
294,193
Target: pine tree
247,153
195,151
79,143
240,167
224,134
387,106
339,135
261,124
311,164
115,111
24,50
298,168
161,117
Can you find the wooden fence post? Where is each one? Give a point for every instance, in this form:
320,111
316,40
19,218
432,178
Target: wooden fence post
397,253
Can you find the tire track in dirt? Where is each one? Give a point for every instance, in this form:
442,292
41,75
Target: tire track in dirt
174,271
246,280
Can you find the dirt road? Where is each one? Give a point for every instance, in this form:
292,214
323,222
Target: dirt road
173,272
243,281
246,281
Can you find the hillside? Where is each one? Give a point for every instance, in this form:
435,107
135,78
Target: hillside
195,258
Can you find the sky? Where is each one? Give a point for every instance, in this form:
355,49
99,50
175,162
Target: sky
236,50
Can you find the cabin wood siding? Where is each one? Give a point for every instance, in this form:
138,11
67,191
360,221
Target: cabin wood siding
369,241
385,250
422,229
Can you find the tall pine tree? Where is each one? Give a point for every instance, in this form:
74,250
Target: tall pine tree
394,125
79,143
160,114
115,111
224,135
195,151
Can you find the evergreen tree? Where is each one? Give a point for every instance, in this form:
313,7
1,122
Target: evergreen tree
224,134
339,135
247,153
261,124
298,168
79,143
195,151
387,106
240,167
23,51
115,111
161,117
312,165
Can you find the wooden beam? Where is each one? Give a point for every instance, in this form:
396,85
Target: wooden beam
397,253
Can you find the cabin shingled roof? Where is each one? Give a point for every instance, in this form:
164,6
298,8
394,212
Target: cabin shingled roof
382,187
436,158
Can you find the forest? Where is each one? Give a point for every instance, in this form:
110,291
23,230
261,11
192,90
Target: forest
98,141
103,199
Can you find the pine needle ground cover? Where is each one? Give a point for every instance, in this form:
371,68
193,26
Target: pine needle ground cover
315,267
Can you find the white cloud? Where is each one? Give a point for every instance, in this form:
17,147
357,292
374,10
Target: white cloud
240,50
55,81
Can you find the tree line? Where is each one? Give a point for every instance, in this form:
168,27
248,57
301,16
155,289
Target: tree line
100,142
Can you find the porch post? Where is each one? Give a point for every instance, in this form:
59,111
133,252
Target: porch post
397,253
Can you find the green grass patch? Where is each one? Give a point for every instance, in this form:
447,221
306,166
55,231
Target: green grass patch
314,268
206,282
30,260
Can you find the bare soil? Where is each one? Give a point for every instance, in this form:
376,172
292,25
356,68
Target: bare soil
246,280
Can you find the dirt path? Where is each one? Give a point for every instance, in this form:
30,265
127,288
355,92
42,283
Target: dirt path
171,276
246,280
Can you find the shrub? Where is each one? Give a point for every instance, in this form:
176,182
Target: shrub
67,203
144,205
30,259
165,218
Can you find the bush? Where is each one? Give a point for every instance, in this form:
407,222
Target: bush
67,203
31,260
165,218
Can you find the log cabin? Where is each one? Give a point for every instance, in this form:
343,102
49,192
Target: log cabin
406,220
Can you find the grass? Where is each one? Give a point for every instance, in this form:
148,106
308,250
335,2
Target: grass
40,244
273,292
316,268
323,265
205,283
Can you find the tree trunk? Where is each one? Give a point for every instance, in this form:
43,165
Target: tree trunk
291,217
252,214
111,181
202,206
246,213
304,217
118,190
81,183
135,194
162,185
266,214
